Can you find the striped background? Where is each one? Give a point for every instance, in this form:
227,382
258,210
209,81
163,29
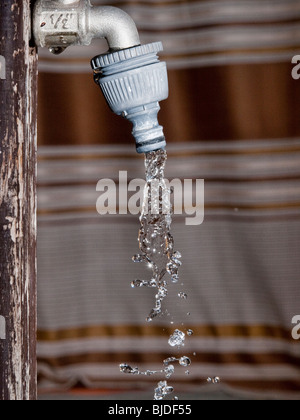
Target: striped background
241,269
232,119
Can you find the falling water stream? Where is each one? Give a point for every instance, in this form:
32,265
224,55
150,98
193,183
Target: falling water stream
156,246
155,240
157,251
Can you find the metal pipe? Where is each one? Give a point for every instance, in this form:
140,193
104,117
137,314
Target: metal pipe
58,24
115,25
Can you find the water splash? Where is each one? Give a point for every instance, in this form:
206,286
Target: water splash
125,368
168,369
177,339
155,240
162,390
156,246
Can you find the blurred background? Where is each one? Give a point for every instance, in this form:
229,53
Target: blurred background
232,118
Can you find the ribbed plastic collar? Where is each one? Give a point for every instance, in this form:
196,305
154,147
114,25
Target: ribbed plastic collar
108,59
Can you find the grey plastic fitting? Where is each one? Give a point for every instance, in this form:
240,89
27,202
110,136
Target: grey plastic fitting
133,82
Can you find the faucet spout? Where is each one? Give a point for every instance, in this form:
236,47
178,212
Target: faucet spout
115,25
58,24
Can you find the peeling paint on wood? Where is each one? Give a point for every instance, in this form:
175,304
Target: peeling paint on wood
18,103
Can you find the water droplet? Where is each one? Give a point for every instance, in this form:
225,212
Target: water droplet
162,390
177,339
169,360
182,295
149,319
152,283
138,258
137,283
215,380
185,361
187,372
169,371
174,278
162,293
190,332
125,368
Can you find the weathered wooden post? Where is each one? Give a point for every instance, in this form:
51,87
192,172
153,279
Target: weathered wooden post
18,103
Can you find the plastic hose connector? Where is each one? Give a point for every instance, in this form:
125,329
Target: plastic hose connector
133,82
